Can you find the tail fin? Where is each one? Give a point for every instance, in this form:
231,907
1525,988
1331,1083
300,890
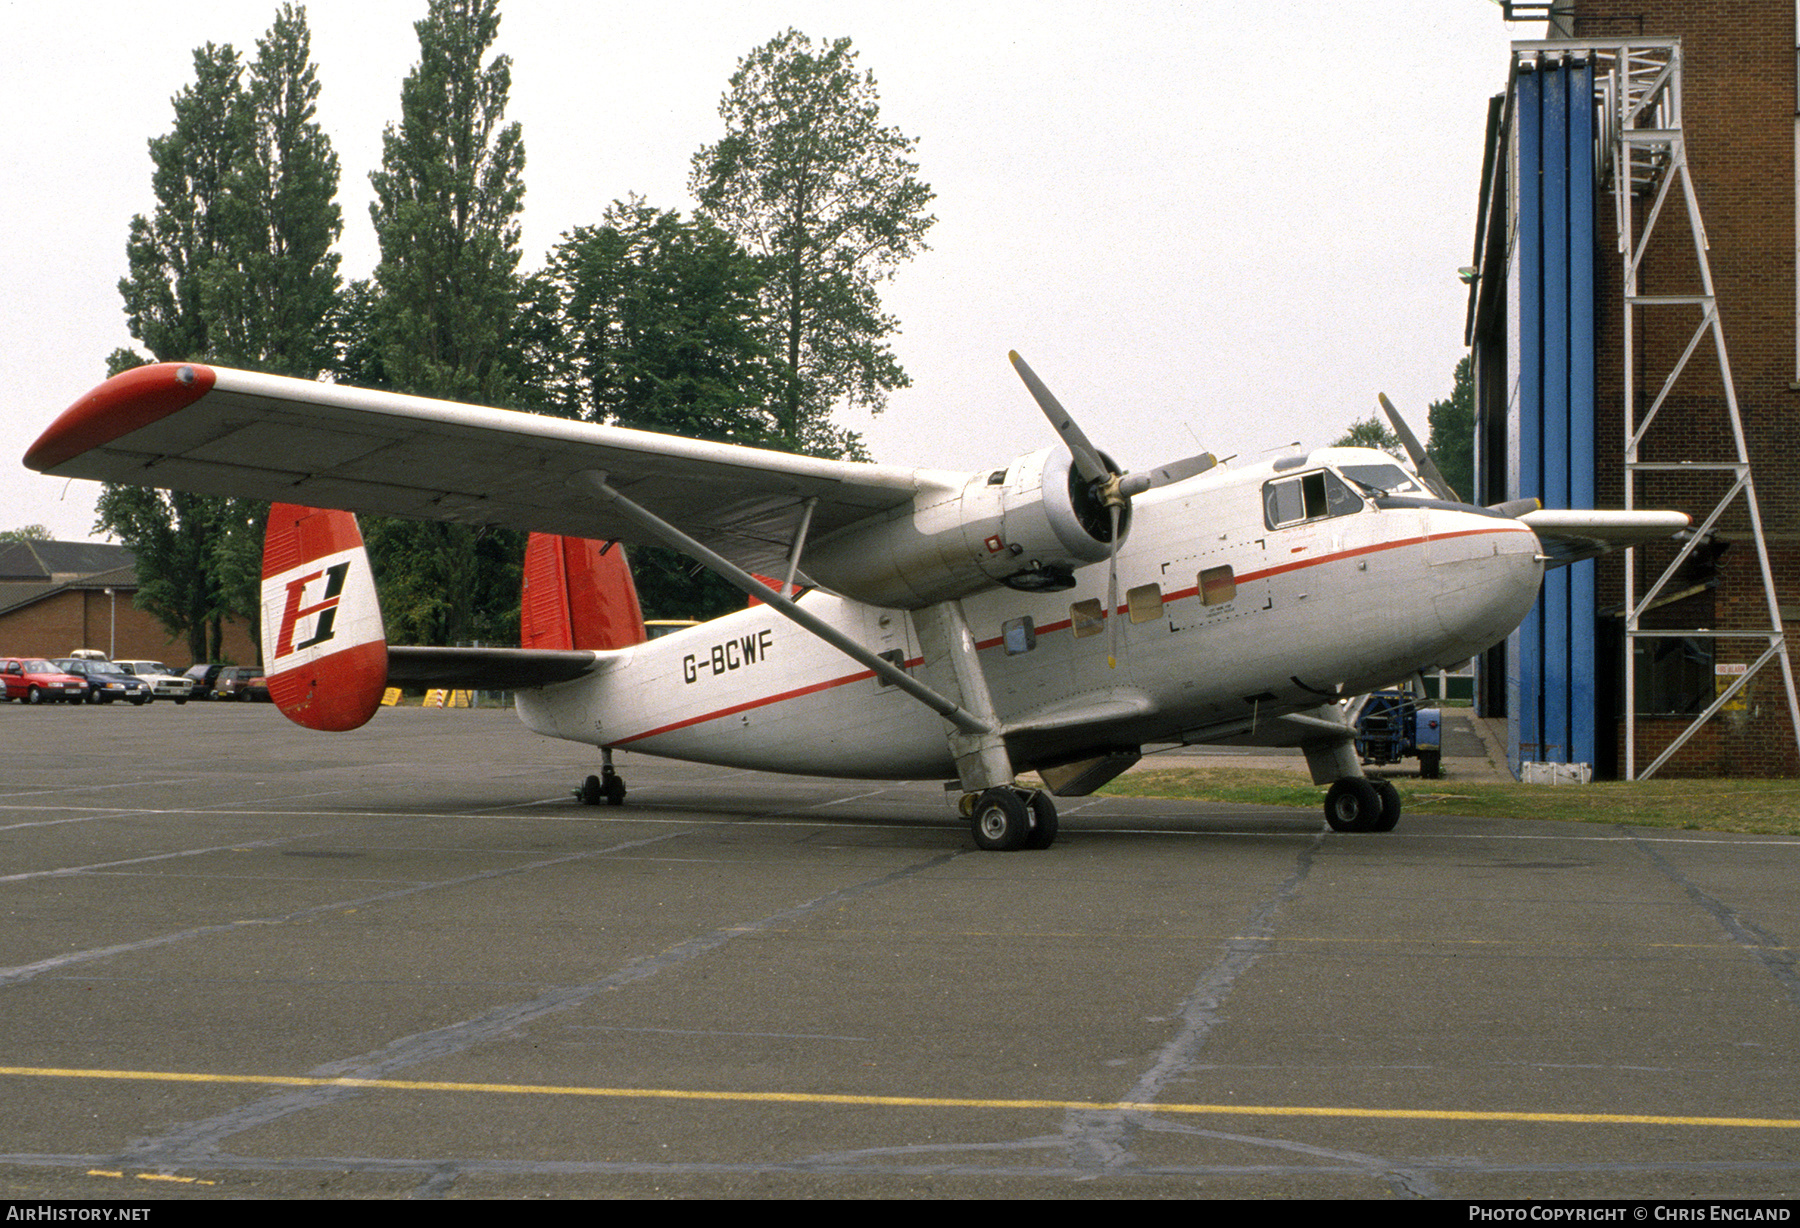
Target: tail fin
578,594
324,647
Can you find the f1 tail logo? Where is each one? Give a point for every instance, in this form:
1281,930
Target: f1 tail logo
326,609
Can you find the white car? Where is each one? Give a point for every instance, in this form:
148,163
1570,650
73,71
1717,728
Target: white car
164,682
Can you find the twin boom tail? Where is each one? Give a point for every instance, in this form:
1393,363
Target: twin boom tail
326,650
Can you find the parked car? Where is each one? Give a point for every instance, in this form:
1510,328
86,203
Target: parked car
104,683
202,677
164,682
241,682
33,680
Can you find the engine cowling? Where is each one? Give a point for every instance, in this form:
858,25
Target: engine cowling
1027,526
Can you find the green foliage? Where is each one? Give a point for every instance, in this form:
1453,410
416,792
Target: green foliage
1452,446
269,297
807,179
1371,432
234,266
447,203
652,322
441,319
172,252
26,533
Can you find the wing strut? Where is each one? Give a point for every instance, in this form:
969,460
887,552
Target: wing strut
594,482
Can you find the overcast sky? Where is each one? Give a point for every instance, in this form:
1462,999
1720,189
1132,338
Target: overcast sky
1207,224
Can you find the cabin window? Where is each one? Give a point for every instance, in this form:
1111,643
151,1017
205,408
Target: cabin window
1019,635
1218,585
1087,618
1145,603
1311,496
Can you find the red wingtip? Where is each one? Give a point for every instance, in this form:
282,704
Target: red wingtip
124,403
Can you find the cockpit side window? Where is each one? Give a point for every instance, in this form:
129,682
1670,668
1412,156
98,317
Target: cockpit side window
1311,496
1307,497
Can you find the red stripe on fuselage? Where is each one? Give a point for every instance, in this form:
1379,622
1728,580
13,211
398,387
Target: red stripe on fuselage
984,645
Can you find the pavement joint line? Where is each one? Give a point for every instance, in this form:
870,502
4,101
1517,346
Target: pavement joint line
919,1102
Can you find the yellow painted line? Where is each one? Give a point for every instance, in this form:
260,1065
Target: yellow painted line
920,1102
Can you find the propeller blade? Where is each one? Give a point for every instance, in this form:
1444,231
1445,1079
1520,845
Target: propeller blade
1166,475
1428,470
1087,457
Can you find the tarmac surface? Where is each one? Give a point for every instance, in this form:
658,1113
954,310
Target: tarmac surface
242,959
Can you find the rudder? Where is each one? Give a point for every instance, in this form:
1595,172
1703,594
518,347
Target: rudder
324,646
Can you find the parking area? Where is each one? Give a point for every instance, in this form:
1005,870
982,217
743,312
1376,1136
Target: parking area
241,958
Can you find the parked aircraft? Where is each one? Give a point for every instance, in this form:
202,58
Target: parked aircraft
948,625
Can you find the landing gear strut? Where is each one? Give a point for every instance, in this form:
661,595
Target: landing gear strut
1005,818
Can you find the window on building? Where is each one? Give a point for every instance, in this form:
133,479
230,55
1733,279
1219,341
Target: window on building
1674,675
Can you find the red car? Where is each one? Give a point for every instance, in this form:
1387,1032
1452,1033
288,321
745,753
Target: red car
34,680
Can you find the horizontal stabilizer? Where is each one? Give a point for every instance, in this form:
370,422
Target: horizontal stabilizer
486,669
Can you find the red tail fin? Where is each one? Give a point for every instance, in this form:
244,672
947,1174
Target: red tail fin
578,594
324,647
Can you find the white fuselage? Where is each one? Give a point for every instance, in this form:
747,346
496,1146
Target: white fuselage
1332,604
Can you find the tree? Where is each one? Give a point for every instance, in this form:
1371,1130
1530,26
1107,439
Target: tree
27,533
234,266
1370,432
276,286
172,251
652,322
447,203
446,212
1452,421
807,179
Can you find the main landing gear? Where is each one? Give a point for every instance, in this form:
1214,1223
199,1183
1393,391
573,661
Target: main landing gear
608,786
1356,803
1006,818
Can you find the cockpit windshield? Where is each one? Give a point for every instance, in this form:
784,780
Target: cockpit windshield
1382,479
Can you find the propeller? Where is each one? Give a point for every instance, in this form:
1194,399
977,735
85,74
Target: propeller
1427,468
1112,489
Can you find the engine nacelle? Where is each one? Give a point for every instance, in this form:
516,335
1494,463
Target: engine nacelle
1027,526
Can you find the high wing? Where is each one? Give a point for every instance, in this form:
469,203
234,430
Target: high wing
213,430
1571,535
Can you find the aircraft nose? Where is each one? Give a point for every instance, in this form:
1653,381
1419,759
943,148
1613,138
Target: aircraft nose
1485,572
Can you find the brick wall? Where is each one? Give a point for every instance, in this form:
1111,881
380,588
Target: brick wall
1739,106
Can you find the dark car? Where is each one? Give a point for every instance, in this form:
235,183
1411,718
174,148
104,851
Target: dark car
204,677
33,680
104,682
241,682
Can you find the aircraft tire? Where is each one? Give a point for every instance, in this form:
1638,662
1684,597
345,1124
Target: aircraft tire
1043,821
612,787
1352,804
589,792
1430,764
1002,821
1390,806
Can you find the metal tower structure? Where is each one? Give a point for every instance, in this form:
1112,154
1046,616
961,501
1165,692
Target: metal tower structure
1642,155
